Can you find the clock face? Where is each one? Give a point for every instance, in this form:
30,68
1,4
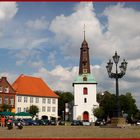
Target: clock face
84,70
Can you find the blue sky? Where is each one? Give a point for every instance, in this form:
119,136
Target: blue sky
43,39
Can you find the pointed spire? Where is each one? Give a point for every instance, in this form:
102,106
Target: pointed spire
84,32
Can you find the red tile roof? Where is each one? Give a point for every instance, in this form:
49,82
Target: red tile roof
33,86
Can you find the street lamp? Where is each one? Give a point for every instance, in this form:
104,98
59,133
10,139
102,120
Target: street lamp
116,75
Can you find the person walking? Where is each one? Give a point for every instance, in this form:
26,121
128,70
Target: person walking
3,121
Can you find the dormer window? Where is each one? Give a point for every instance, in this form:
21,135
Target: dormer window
6,90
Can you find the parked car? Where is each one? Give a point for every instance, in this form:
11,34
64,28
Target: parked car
61,122
52,122
138,122
99,122
30,121
40,122
76,122
47,122
24,122
86,123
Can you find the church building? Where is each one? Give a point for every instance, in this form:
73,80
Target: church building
84,88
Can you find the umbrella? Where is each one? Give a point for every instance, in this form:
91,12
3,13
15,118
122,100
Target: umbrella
7,113
23,114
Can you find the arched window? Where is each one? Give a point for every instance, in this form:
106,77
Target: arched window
85,91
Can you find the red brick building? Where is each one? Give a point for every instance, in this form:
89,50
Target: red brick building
7,94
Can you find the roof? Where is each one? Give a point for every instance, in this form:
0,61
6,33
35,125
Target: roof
33,86
89,79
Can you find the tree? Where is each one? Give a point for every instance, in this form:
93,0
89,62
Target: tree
64,97
5,107
108,102
128,104
33,110
99,112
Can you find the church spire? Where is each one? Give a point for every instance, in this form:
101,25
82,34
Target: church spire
84,66
84,32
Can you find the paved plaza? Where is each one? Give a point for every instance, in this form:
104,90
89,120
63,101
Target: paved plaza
70,132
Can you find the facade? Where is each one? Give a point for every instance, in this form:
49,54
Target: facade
34,91
84,88
7,95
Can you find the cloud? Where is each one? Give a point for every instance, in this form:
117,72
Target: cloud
59,78
68,30
7,10
38,24
122,30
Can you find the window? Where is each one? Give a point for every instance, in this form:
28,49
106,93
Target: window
85,91
24,109
27,108
19,109
49,101
84,70
31,100
19,98
0,100
53,101
84,78
43,109
0,88
12,100
6,90
37,100
25,99
43,100
6,100
53,109
48,109
85,100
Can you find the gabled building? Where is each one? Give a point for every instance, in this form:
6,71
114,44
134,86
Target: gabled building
34,91
84,88
7,95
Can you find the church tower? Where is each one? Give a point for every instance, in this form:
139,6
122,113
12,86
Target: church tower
84,88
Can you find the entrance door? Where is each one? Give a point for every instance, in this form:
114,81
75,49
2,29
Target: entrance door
86,116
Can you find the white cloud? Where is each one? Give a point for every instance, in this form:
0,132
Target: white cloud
59,78
69,29
7,10
38,24
11,77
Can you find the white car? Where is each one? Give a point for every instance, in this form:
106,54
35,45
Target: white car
138,122
86,123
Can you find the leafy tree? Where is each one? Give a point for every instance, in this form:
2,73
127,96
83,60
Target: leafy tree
128,104
99,112
64,97
33,110
108,104
5,107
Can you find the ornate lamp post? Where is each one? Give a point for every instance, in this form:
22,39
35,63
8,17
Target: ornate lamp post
117,75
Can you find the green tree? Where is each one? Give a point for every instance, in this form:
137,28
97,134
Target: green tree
108,103
128,104
64,97
33,110
5,107
99,112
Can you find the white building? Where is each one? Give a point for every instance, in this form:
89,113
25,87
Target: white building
34,91
84,88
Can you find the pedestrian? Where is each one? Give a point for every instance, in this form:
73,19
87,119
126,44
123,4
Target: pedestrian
3,121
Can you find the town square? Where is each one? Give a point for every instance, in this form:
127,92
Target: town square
69,70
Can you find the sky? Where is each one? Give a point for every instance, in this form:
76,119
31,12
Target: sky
43,39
